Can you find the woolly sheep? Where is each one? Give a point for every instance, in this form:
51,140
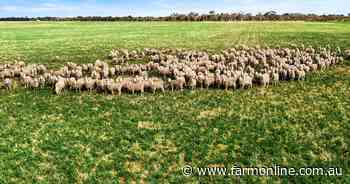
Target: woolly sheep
209,80
147,83
178,83
229,82
275,78
96,75
34,83
101,84
8,84
41,69
157,84
112,72
264,79
111,86
17,72
42,81
79,84
300,74
52,79
6,74
313,67
193,68
26,80
60,86
118,86
89,83
218,79
77,73
291,73
164,71
192,83
347,54
135,85
200,79
71,83
245,81
322,65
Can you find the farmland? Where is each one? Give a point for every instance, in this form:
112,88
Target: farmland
96,138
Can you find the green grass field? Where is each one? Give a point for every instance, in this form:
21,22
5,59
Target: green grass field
94,138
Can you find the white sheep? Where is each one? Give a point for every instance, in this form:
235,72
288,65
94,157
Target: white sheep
79,85
322,65
101,84
178,83
291,73
347,54
264,79
34,83
71,83
6,74
105,72
157,84
164,71
111,86
218,79
89,84
118,86
209,80
60,86
51,79
135,85
8,84
112,72
77,73
229,82
95,75
200,79
189,68
245,80
192,83
275,78
42,81
26,80
300,74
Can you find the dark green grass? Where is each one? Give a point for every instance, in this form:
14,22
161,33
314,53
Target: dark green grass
95,138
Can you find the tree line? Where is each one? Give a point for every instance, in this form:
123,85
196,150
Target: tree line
192,16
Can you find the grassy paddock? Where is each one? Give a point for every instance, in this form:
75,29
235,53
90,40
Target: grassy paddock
93,138
88,41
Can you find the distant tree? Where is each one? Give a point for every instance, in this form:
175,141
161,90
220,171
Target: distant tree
193,16
270,13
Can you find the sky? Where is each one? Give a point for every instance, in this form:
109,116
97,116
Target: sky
68,8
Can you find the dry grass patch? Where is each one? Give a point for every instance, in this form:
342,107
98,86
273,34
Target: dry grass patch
211,114
134,166
148,125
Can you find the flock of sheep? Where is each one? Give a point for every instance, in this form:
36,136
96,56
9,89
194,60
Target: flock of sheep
174,69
